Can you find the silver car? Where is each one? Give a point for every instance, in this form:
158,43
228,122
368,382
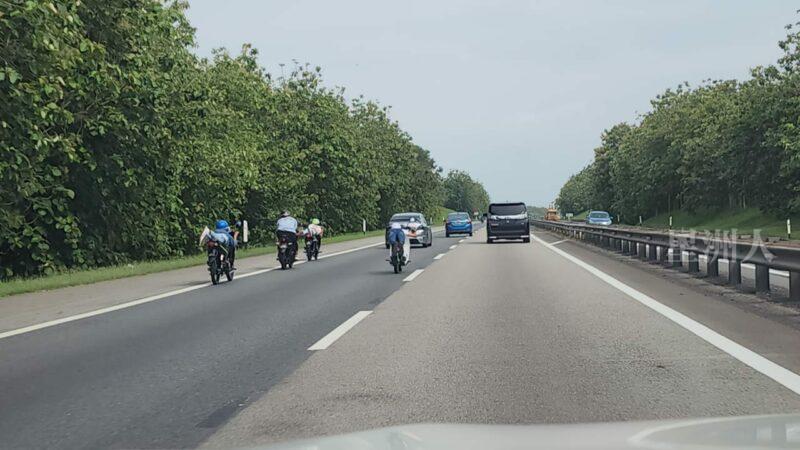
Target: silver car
423,235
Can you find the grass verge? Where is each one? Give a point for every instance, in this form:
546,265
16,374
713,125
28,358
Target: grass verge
746,221
439,215
88,276
580,216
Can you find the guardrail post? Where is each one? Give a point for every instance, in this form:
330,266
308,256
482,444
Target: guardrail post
676,257
762,278
643,252
712,265
664,256
794,286
734,271
693,262
653,252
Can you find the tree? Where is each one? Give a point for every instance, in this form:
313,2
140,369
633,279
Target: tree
462,193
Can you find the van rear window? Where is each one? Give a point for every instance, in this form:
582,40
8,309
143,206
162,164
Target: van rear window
507,209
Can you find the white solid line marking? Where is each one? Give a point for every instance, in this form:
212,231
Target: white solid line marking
97,312
413,275
152,298
778,373
339,331
453,246
439,256
558,242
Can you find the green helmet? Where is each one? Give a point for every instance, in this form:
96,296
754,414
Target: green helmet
315,221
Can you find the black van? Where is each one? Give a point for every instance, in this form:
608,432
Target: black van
508,221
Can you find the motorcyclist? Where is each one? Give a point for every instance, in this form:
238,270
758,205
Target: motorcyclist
397,234
226,239
287,228
316,231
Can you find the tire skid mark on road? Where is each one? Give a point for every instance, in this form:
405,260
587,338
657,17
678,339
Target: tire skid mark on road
776,372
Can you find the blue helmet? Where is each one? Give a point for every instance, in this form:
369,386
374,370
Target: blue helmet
222,224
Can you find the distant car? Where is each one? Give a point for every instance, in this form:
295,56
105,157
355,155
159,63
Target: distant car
508,221
598,218
423,235
457,223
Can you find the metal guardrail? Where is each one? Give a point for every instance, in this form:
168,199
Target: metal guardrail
668,248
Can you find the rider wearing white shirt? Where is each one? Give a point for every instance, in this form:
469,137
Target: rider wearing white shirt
287,227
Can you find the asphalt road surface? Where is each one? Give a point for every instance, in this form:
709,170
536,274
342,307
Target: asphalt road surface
502,333
168,373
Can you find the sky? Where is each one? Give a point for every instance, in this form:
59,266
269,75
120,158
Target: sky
517,93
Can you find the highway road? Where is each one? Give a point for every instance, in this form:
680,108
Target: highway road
167,373
478,333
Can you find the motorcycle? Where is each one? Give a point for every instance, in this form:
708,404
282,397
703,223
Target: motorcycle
218,263
286,252
312,246
397,260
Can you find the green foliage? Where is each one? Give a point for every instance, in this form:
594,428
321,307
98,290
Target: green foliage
722,145
119,144
462,193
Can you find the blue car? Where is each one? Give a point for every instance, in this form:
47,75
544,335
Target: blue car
598,218
458,223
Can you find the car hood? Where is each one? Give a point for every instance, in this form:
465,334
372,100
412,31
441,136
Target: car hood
752,432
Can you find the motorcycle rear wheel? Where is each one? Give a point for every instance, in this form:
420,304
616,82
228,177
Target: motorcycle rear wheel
214,270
